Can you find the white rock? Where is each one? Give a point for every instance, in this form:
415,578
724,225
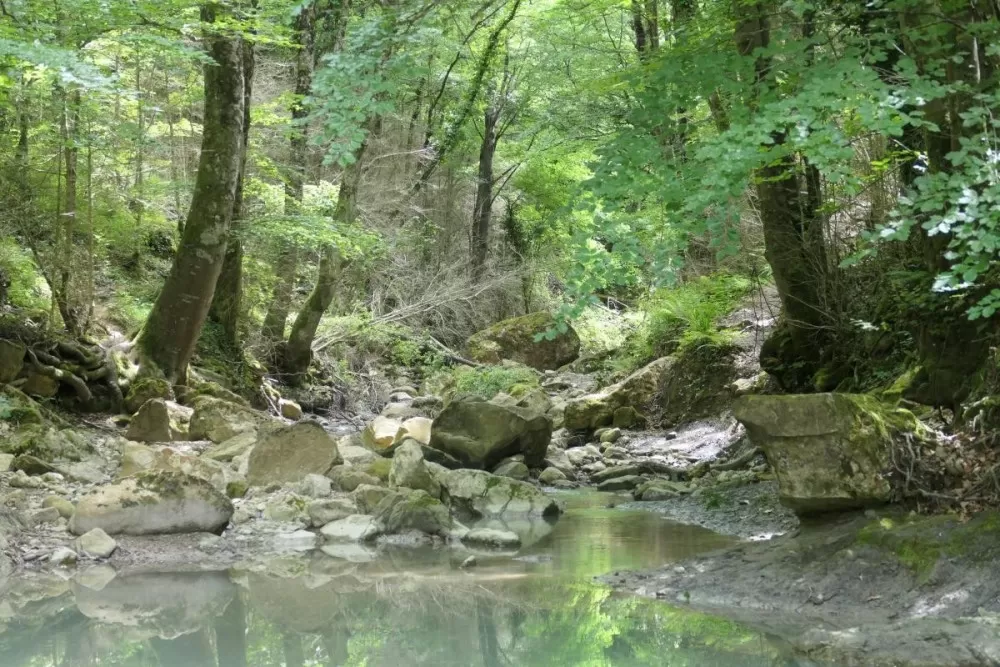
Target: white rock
95,544
315,486
418,428
355,528
290,409
490,538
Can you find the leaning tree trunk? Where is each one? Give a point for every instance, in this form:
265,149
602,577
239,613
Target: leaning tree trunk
227,303
298,350
167,341
288,261
483,211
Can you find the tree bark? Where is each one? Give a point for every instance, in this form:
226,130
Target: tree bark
483,210
167,341
277,312
227,302
73,312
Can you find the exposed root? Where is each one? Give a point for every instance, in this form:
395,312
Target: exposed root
739,461
79,386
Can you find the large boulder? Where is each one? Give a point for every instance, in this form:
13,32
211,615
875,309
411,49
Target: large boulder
160,421
413,510
153,503
288,454
219,420
480,434
475,493
237,445
637,391
830,452
515,339
11,360
409,470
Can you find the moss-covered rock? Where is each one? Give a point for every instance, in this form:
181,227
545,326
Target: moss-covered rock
413,510
219,420
476,493
480,434
17,408
514,339
160,421
289,454
698,385
830,452
146,389
638,392
11,360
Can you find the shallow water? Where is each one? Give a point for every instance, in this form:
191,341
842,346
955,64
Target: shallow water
391,608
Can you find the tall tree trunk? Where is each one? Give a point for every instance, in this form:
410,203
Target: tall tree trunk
227,302
483,211
298,350
287,268
66,293
167,341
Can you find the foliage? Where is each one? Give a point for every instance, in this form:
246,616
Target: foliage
488,381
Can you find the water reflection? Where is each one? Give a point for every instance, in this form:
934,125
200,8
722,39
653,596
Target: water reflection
402,608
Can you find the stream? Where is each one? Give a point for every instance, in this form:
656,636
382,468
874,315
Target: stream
351,606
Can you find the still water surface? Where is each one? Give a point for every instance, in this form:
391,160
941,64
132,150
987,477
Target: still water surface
395,608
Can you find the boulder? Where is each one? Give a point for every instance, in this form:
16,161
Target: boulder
367,497
95,543
559,459
39,385
146,389
60,504
31,465
11,360
491,538
660,489
354,528
513,470
355,455
550,476
322,512
314,486
380,435
290,409
416,428
829,452
527,397
219,420
638,391
347,478
159,420
476,493
136,458
290,453
625,483
409,471
151,503
480,434
515,339
170,460
413,510
235,446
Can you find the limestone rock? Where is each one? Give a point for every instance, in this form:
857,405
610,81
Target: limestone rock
95,543
559,459
218,420
367,497
408,469
314,486
61,505
416,428
477,493
290,453
354,454
514,339
624,483
413,510
63,557
829,452
380,435
637,391
145,389
354,528
481,434
136,458
491,538
11,360
235,446
551,476
40,386
290,409
160,421
347,478
513,470
151,503
322,512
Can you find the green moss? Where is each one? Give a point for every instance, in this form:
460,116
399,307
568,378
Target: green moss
379,468
236,489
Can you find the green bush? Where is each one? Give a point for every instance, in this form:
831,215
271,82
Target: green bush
489,381
27,286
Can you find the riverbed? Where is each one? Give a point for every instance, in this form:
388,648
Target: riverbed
349,605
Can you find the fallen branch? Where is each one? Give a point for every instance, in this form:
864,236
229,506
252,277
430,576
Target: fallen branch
451,355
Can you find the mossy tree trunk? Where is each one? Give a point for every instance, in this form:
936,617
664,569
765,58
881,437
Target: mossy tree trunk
167,341
483,210
288,261
227,302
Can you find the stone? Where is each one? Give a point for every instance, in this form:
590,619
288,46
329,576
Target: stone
476,493
322,512
145,389
11,360
559,459
237,488
480,434
660,489
346,478
611,435
638,390
513,470
617,471
413,510
290,409
64,507
136,458
160,421
6,461
21,480
32,465
355,455
290,453
578,456
43,516
515,340
219,420
152,503
628,417
63,557
95,543
400,412
492,539
626,483
300,540
595,467
354,528
367,497
213,472
550,476
315,486
829,452
432,455
379,468
229,449
39,385
416,428
286,509
380,435
408,469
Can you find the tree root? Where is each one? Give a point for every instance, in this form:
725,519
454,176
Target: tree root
739,461
82,390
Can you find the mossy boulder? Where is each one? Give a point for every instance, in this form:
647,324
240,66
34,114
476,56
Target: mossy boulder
409,470
219,420
289,454
476,493
830,452
160,421
153,503
11,360
514,339
18,409
413,510
698,385
480,434
146,389
638,392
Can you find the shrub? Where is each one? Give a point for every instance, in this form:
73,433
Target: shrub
489,381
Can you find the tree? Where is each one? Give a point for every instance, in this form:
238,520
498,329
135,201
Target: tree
168,339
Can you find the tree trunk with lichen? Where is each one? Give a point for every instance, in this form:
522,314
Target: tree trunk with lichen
167,341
